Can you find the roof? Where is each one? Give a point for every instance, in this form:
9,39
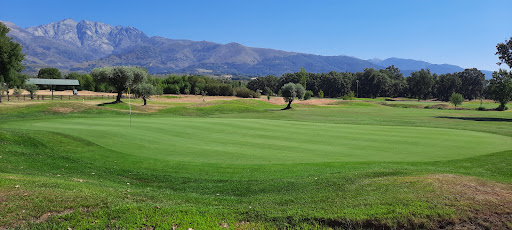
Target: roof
40,81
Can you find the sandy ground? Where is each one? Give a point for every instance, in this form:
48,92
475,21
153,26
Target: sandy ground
273,100
183,98
199,98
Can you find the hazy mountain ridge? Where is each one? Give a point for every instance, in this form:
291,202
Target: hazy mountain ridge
82,46
407,66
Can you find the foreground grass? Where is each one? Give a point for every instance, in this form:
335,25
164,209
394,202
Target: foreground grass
86,185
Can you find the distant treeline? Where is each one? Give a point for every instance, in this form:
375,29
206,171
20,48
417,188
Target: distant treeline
372,83
196,85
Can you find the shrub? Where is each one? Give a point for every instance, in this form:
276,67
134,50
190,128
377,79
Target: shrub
308,95
321,94
246,93
456,99
212,89
481,108
349,96
225,90
17,92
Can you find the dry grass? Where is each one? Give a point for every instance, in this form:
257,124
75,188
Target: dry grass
480,204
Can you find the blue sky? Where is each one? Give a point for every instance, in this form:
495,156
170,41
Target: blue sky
459,32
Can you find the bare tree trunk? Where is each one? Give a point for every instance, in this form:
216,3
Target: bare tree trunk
144,98
289,106
118,99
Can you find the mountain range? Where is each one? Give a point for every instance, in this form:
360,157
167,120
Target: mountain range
85,45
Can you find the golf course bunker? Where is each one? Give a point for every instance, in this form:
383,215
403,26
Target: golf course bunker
260,141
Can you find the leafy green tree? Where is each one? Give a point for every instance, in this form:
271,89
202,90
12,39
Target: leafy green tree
397,85
226,90
32,89
500,88
303,77
10,60
120,77
472,83
144,91
85,80
456,99
446,85
505,52
49,73
246,93
420,84
373,83
262,83
287,78
291,91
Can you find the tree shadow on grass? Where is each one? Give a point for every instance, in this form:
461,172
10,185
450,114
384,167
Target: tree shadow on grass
477,118
109,103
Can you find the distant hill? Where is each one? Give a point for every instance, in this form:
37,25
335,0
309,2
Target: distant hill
82,46
407,66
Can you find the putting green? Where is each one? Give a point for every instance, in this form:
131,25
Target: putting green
259,141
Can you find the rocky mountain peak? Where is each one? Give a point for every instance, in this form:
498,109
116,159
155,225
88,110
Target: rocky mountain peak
64,30
96,38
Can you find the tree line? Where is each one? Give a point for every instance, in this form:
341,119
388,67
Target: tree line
388,82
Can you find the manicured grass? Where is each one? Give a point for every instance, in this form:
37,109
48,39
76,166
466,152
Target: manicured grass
244,164
261,141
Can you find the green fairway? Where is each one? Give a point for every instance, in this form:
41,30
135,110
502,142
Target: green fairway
262,141
245,164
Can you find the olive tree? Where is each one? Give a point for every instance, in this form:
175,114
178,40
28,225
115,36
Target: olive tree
144,91
120,77
32,89
290,91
